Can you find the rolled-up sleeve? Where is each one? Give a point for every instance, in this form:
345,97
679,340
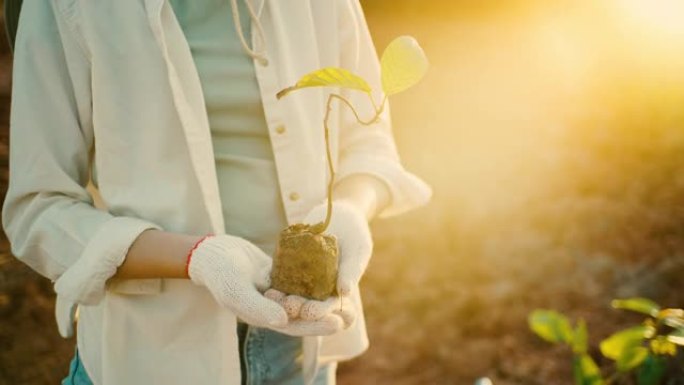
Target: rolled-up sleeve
48,215
371,149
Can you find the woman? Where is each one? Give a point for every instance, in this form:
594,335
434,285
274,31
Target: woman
151,168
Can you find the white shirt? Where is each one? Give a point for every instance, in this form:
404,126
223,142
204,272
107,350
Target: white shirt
114,82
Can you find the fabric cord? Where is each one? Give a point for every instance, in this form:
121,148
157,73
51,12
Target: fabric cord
252,52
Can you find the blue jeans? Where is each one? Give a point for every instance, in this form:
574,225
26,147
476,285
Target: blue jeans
266,358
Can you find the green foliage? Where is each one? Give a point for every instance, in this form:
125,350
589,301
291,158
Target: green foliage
639,305
329,77
677,337
403,65
586,371
580,340
662,346
640,351
631,357
614,346
551,326
673,318
652,370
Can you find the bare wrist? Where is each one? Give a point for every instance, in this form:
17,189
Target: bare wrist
157,254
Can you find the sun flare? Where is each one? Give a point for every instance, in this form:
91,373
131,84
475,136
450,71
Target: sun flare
665,16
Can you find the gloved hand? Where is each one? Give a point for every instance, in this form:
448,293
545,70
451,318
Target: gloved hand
350,226
234,271
305,310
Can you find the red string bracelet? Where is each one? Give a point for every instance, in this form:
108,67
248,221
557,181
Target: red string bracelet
187,259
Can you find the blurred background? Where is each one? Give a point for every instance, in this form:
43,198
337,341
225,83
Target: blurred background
552,133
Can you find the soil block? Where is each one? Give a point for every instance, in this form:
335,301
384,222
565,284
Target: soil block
305,263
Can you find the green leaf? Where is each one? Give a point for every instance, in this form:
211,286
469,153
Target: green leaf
550,326
676,337
580,337
403,65
615,345
662,346
328,77
674,322
652,370
639,305
671,313
586,371
631,358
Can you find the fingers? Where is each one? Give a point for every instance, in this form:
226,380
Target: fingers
275,295
341,306
301,309
344,286
262,277
348,315
353,262
348,277
313,310
256,309
291,303
328,325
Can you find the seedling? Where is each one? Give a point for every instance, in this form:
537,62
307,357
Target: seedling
306,259
641,353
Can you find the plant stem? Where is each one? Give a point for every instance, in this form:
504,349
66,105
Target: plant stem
378,111
328,214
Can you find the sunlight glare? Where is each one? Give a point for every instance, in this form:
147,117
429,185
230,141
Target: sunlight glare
660,15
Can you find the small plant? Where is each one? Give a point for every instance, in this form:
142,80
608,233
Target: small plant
306,259
641,353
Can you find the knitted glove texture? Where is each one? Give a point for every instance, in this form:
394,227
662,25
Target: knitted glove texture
355,244
234,270
354,239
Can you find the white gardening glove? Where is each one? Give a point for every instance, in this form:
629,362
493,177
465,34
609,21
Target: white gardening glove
350,226
234,271
335,312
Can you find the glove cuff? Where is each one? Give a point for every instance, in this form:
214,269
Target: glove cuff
205,258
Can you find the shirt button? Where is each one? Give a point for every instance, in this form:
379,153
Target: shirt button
294,196
280,129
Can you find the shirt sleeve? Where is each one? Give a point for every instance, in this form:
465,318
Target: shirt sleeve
48,215
371,149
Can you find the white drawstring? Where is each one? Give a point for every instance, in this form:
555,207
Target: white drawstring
260,56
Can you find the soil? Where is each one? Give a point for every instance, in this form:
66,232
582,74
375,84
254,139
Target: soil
305,263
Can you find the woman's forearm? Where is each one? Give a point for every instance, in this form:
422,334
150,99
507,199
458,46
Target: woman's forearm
161,254
157,254
367,192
